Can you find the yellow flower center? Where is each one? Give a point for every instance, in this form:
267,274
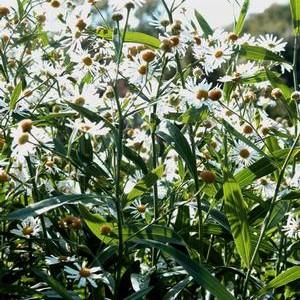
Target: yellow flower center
244,153
85,272
87,61
141,208
202,94
79,101
218,53
28,230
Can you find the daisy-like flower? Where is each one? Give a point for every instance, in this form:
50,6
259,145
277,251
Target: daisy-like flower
216,55
242,71
29,227
137,209
244,154
292,227
91,128
272,43
196,94
85,62
87,97
54,260
265,186
83,274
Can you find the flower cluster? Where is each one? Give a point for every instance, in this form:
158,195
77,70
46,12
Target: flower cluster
109,137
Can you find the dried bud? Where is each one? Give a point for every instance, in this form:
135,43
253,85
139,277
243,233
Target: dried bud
3,176
276,93
105,229
80,24
55,3
129,5
215,94
148,55
26,125
117,17
232,37
4,11
208,176
166,45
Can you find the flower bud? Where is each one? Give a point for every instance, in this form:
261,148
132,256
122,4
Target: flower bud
215,94
208,176
26,125
117,17
4,11
148,55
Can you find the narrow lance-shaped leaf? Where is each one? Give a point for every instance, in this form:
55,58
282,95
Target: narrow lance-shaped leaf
130,233
15,96
282,279
235,208
241,20
259,54
207,30
295,9
201,275
177,140
145,183
46,205
131,37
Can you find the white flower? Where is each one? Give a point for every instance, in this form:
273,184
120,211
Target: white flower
83,274
53,260
214,56
243,154
292,227
29,227
242,71
196,94
271,42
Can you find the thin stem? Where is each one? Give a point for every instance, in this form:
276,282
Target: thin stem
268,215
119,155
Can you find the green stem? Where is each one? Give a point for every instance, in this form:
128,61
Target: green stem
119,155
268,215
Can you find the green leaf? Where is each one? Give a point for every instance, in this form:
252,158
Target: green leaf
260,76
207,30
295,9
54,284
282,279
193,115
132,233
135,158
259,54
177,140
174,291
202,276
146,183
46,205
228,89
261,168
140,294
241,20
131,37
15,96
236,212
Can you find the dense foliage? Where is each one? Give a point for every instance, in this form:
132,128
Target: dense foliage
126,174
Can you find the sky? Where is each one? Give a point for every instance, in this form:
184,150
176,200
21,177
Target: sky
219,12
